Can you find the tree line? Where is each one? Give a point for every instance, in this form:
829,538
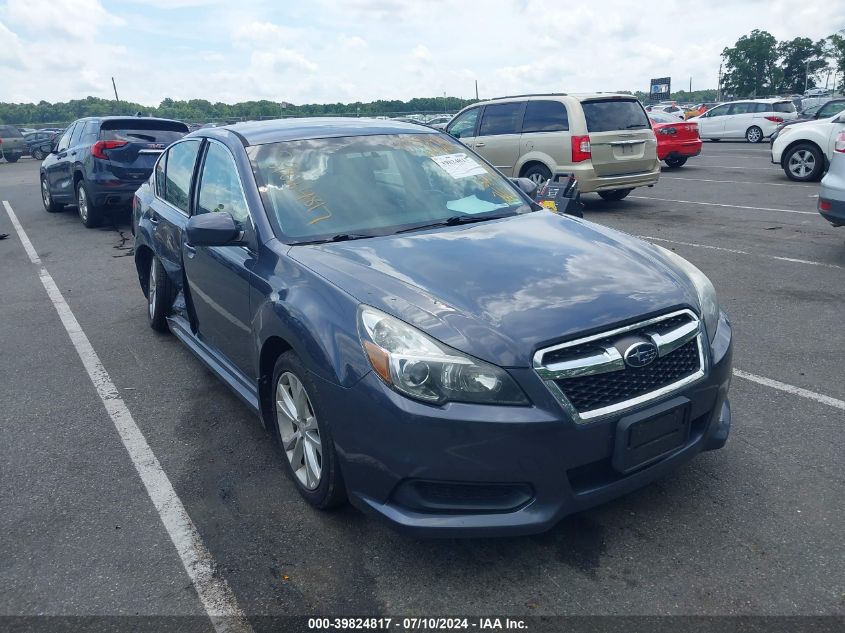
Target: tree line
759,65
202,110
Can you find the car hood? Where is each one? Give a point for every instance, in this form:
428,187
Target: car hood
500,289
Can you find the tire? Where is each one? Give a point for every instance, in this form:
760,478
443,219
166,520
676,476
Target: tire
537,173
12,158
159,291
303,446
89,213
754,134
714,140
803,162
614,195
38,154
675,162
47,199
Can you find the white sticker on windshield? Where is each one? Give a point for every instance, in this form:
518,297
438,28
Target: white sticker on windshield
459,165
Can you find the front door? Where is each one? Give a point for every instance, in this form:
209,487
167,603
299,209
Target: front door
711,124
219,276
464,126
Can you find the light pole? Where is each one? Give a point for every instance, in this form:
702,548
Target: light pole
806,74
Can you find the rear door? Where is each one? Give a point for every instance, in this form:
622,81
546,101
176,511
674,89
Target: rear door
740,117
499,135
170,208
621,138
545,130
133,145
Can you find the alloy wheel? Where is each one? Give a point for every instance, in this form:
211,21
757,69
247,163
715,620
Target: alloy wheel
45,193
152,287
754,135
802,163
82,204
537,178
298,430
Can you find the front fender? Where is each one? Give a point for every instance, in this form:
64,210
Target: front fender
314,317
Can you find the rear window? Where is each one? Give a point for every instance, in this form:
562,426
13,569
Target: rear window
783,106
139,130
606,115
502,118
10,131
545,116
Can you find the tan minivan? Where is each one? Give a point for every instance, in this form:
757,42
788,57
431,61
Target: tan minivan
604,139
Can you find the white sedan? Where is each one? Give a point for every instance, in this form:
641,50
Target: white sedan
804,150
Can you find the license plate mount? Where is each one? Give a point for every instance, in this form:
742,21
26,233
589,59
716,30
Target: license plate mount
648,436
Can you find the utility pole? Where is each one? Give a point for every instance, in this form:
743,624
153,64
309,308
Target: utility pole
719,87
444,102
114,85
690,85
476,89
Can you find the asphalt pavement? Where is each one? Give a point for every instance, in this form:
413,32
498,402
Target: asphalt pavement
753,529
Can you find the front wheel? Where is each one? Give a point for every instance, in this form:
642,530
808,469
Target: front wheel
803,162
12,158
38,154
89,213
615,194
302,429
676,162
754,134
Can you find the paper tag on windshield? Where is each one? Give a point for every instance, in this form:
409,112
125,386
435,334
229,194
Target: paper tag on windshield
459,165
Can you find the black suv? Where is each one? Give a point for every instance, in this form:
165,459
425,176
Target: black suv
99,163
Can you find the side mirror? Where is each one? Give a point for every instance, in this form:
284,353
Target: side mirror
212,229
53,147
840,118
527,186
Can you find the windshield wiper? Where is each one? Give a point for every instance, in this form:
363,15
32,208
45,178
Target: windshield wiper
454,221
340,237
635,125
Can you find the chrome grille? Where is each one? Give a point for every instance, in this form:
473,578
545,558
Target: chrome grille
590,378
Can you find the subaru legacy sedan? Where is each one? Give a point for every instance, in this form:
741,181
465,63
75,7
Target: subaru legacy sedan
419,335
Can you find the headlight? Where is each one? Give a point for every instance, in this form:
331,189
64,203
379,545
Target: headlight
707,300
418,366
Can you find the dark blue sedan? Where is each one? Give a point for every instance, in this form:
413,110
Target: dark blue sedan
421,337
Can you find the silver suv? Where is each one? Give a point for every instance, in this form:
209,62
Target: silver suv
604,139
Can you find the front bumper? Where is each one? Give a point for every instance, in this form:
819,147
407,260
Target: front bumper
535,458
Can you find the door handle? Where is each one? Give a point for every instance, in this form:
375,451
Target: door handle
73,153
480,144
153,219
190,251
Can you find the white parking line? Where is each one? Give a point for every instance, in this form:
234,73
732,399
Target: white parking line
700,164
727,206
217,599
739,252
796,391
741,182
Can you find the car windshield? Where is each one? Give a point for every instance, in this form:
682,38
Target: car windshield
362,186
10,132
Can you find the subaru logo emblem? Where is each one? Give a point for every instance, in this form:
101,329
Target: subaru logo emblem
640,354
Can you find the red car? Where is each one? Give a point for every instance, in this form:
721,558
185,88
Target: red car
676,140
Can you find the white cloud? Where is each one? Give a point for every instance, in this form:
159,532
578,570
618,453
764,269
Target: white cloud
349,50
73,18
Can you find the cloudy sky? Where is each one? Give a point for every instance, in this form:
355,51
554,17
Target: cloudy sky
348,50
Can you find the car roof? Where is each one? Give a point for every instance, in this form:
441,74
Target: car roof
580,96
294,129
126,117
